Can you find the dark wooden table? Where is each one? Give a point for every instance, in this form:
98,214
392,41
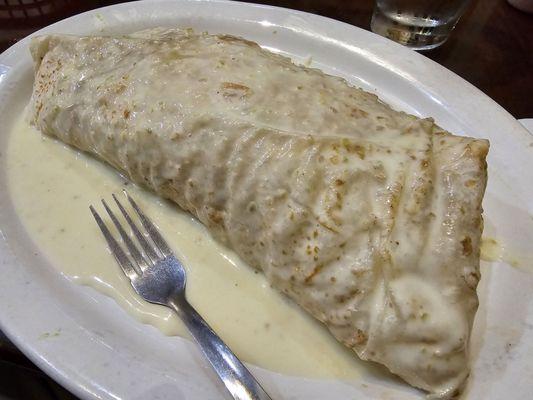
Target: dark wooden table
491,47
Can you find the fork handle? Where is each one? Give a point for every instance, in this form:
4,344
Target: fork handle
239,382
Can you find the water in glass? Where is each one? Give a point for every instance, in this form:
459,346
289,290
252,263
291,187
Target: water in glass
419,24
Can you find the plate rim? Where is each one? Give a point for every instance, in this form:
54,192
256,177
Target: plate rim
82,390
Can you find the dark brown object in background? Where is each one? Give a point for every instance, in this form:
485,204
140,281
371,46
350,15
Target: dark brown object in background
492,48
19,18
21,380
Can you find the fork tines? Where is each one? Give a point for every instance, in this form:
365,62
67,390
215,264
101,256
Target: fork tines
149,253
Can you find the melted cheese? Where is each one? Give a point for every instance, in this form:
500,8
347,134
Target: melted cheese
262,327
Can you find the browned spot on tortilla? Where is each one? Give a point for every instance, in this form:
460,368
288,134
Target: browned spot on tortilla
216,216
360,337
231,85
329,228
334,160
478,148
315,271
358,113
231,89
467,246
235,39
354,148
120,88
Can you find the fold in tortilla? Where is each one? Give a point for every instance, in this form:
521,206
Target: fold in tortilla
368,218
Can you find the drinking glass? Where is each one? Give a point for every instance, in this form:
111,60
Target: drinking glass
418,24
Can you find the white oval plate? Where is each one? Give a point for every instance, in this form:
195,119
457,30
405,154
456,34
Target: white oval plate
97,351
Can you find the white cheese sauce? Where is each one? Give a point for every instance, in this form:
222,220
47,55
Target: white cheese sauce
493,250
52,187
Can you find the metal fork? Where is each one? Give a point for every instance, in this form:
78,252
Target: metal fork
159,277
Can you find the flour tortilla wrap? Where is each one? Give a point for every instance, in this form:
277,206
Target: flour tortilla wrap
368,218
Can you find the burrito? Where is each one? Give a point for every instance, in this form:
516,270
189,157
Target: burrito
368,218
